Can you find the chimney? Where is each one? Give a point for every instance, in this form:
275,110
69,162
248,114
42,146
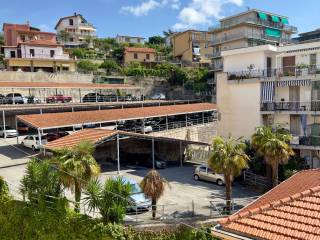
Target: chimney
28,23
75,13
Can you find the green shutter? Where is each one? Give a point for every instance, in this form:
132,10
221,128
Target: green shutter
284,21
262,16
273,32
275,19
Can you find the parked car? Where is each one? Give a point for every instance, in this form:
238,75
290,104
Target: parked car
158,163
205,173
93,97
31,100
2,99
146,129
58,98
159,96
33,142
139,201
8,131
22,128
55,135
14,98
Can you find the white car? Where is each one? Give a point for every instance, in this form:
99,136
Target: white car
158,96
33,142
146,129
8,131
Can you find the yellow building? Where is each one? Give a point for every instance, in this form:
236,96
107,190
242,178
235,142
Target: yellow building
142,55
193,47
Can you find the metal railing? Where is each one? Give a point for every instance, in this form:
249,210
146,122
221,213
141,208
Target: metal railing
255,35
41,56
231,23
258,181
309,141
290,71
291,106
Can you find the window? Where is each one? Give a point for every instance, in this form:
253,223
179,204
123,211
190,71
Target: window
23,38
135,56
71,39
71,22
32,52
203,169
313,59
148,56
12,54
52,52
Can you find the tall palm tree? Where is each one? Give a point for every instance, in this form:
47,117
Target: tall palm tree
77,166
228,157
153,186
273,145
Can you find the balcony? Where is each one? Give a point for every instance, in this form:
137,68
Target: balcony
253,35
216,54
217,67
295,106
294,71
311,141
255,21
42,56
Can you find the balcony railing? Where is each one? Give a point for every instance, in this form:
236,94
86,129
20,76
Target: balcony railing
294,71
216,54
309,141
296,106
255,35
226,25
42,56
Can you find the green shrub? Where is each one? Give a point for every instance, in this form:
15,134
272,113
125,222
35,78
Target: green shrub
4,190
87,66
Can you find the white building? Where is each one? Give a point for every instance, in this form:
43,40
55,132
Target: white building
273,85
75,31
129,39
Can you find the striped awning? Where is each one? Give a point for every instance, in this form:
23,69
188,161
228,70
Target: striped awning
289,83
267,92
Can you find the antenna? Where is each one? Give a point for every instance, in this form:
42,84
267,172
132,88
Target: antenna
248,8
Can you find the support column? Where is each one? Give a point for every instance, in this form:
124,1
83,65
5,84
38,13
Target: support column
80,95
96,95
4,124
13,99
118,153
202,117
186,120
167,127
44,96
17,131
153,162
180,155
39,136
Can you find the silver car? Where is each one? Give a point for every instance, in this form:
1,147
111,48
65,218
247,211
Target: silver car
8,131
205,173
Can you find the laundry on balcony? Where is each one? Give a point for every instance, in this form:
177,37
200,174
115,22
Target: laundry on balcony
267,92
289,83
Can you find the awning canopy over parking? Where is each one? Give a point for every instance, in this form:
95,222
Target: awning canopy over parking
98,136
69,119
54,85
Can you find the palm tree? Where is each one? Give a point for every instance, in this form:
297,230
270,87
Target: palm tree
111,198
273,145
153,186
228,157
77,166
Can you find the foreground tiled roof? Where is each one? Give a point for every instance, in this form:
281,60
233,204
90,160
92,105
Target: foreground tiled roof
97,135
140,50
289,211
55,120
65,85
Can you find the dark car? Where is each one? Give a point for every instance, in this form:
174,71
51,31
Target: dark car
158,163
2,99
93,97
55,135
14,98
22,128
58,98
33,100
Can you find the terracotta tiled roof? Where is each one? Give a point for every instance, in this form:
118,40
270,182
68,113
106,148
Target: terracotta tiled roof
97,135
65,85
289,211
54,120
40,42
140,50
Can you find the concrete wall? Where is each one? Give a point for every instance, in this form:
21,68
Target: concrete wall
238,106
12,76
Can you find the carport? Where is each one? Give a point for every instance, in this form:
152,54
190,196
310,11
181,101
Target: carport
73,119
102,136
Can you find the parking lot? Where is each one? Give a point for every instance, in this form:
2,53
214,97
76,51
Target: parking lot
184,197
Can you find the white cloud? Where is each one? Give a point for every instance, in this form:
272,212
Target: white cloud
146,6
45,28
142,9
202,12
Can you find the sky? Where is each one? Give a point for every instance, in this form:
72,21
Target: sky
150,17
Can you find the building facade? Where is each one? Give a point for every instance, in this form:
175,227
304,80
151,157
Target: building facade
192,47
75,31
28,49
248,29
141,55
129,39
308,36
269,85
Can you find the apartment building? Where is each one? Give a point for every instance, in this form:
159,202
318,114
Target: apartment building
75,31
192,47
270,85
248,29
142,55
308,36
129,39
26,48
